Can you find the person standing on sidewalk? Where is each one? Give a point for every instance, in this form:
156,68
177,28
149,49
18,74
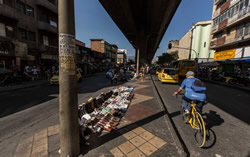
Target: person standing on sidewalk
142,73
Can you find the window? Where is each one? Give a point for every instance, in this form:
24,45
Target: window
9,31
204,44
239,31
247,29
241,5
188,63
232,12
2,29
246,3
45,40
32,36
22,34
228,32
29,11
20,7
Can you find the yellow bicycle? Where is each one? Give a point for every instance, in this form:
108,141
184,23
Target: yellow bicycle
197,123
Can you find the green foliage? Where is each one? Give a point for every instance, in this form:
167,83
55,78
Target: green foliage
167,58
131,61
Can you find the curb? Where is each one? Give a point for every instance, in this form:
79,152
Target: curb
38,84
177,137
22,87
228,85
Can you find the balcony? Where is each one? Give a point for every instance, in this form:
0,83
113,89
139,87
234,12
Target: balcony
46,26
48,49
220,41
225,6
8,12
243,15
47,5
222,24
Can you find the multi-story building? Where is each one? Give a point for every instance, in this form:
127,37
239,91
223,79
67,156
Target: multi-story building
230,36
109,50
28,32
195,43
121,56
175,45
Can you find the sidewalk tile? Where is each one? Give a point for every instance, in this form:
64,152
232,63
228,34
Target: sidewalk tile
24,147
147,135
137,141
157,142
126,147
41,134
136,153
147,148
139,130
129,135
116,152
52,130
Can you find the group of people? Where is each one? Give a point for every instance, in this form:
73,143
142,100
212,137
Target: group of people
39,72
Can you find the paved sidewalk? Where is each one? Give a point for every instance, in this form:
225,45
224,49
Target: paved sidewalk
144,131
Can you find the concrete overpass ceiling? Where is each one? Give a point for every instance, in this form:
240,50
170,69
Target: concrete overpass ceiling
143,22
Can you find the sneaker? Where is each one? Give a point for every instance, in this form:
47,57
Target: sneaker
186,116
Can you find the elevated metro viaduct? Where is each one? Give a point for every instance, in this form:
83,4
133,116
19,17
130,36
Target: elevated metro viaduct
143,22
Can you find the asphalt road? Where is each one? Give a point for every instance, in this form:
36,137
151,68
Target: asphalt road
25,111
226,115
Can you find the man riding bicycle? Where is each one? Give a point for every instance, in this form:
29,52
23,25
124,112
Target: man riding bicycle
194,90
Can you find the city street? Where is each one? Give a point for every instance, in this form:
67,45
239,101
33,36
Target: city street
226,116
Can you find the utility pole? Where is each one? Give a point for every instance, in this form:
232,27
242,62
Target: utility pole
68,104
137,61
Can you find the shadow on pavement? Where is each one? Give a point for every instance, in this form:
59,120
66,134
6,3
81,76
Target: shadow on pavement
112,135
211,119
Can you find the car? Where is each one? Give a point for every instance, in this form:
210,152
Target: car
55,79
169,75
109,73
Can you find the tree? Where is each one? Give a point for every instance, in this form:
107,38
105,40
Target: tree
131,61
167,58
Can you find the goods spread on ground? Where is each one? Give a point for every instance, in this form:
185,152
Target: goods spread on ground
105,111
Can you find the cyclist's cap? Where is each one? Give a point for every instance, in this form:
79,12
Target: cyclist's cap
189,73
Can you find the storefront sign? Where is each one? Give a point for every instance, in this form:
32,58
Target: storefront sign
226,54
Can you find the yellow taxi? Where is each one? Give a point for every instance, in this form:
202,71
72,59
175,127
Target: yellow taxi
169,75
55,78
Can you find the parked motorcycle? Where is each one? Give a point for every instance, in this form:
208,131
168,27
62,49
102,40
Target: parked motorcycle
238,80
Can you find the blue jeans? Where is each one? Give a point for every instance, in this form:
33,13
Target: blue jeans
186,104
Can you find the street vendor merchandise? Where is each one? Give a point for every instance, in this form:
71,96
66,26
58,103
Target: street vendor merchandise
105,111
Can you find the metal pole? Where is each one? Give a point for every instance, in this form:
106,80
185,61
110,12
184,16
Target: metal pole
137,62
68,105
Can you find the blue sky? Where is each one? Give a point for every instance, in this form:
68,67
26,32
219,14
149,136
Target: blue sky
92,22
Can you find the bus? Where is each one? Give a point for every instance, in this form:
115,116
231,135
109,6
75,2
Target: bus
184,66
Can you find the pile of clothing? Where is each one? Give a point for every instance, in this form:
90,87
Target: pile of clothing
105,111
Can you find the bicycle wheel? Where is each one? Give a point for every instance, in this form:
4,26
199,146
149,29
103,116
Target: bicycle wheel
200,133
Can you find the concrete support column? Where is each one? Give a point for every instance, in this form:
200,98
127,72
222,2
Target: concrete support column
68,104
137,61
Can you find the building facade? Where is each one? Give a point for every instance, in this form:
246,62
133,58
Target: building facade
109,50
121,56
230,36
200,39
195,43
28,32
